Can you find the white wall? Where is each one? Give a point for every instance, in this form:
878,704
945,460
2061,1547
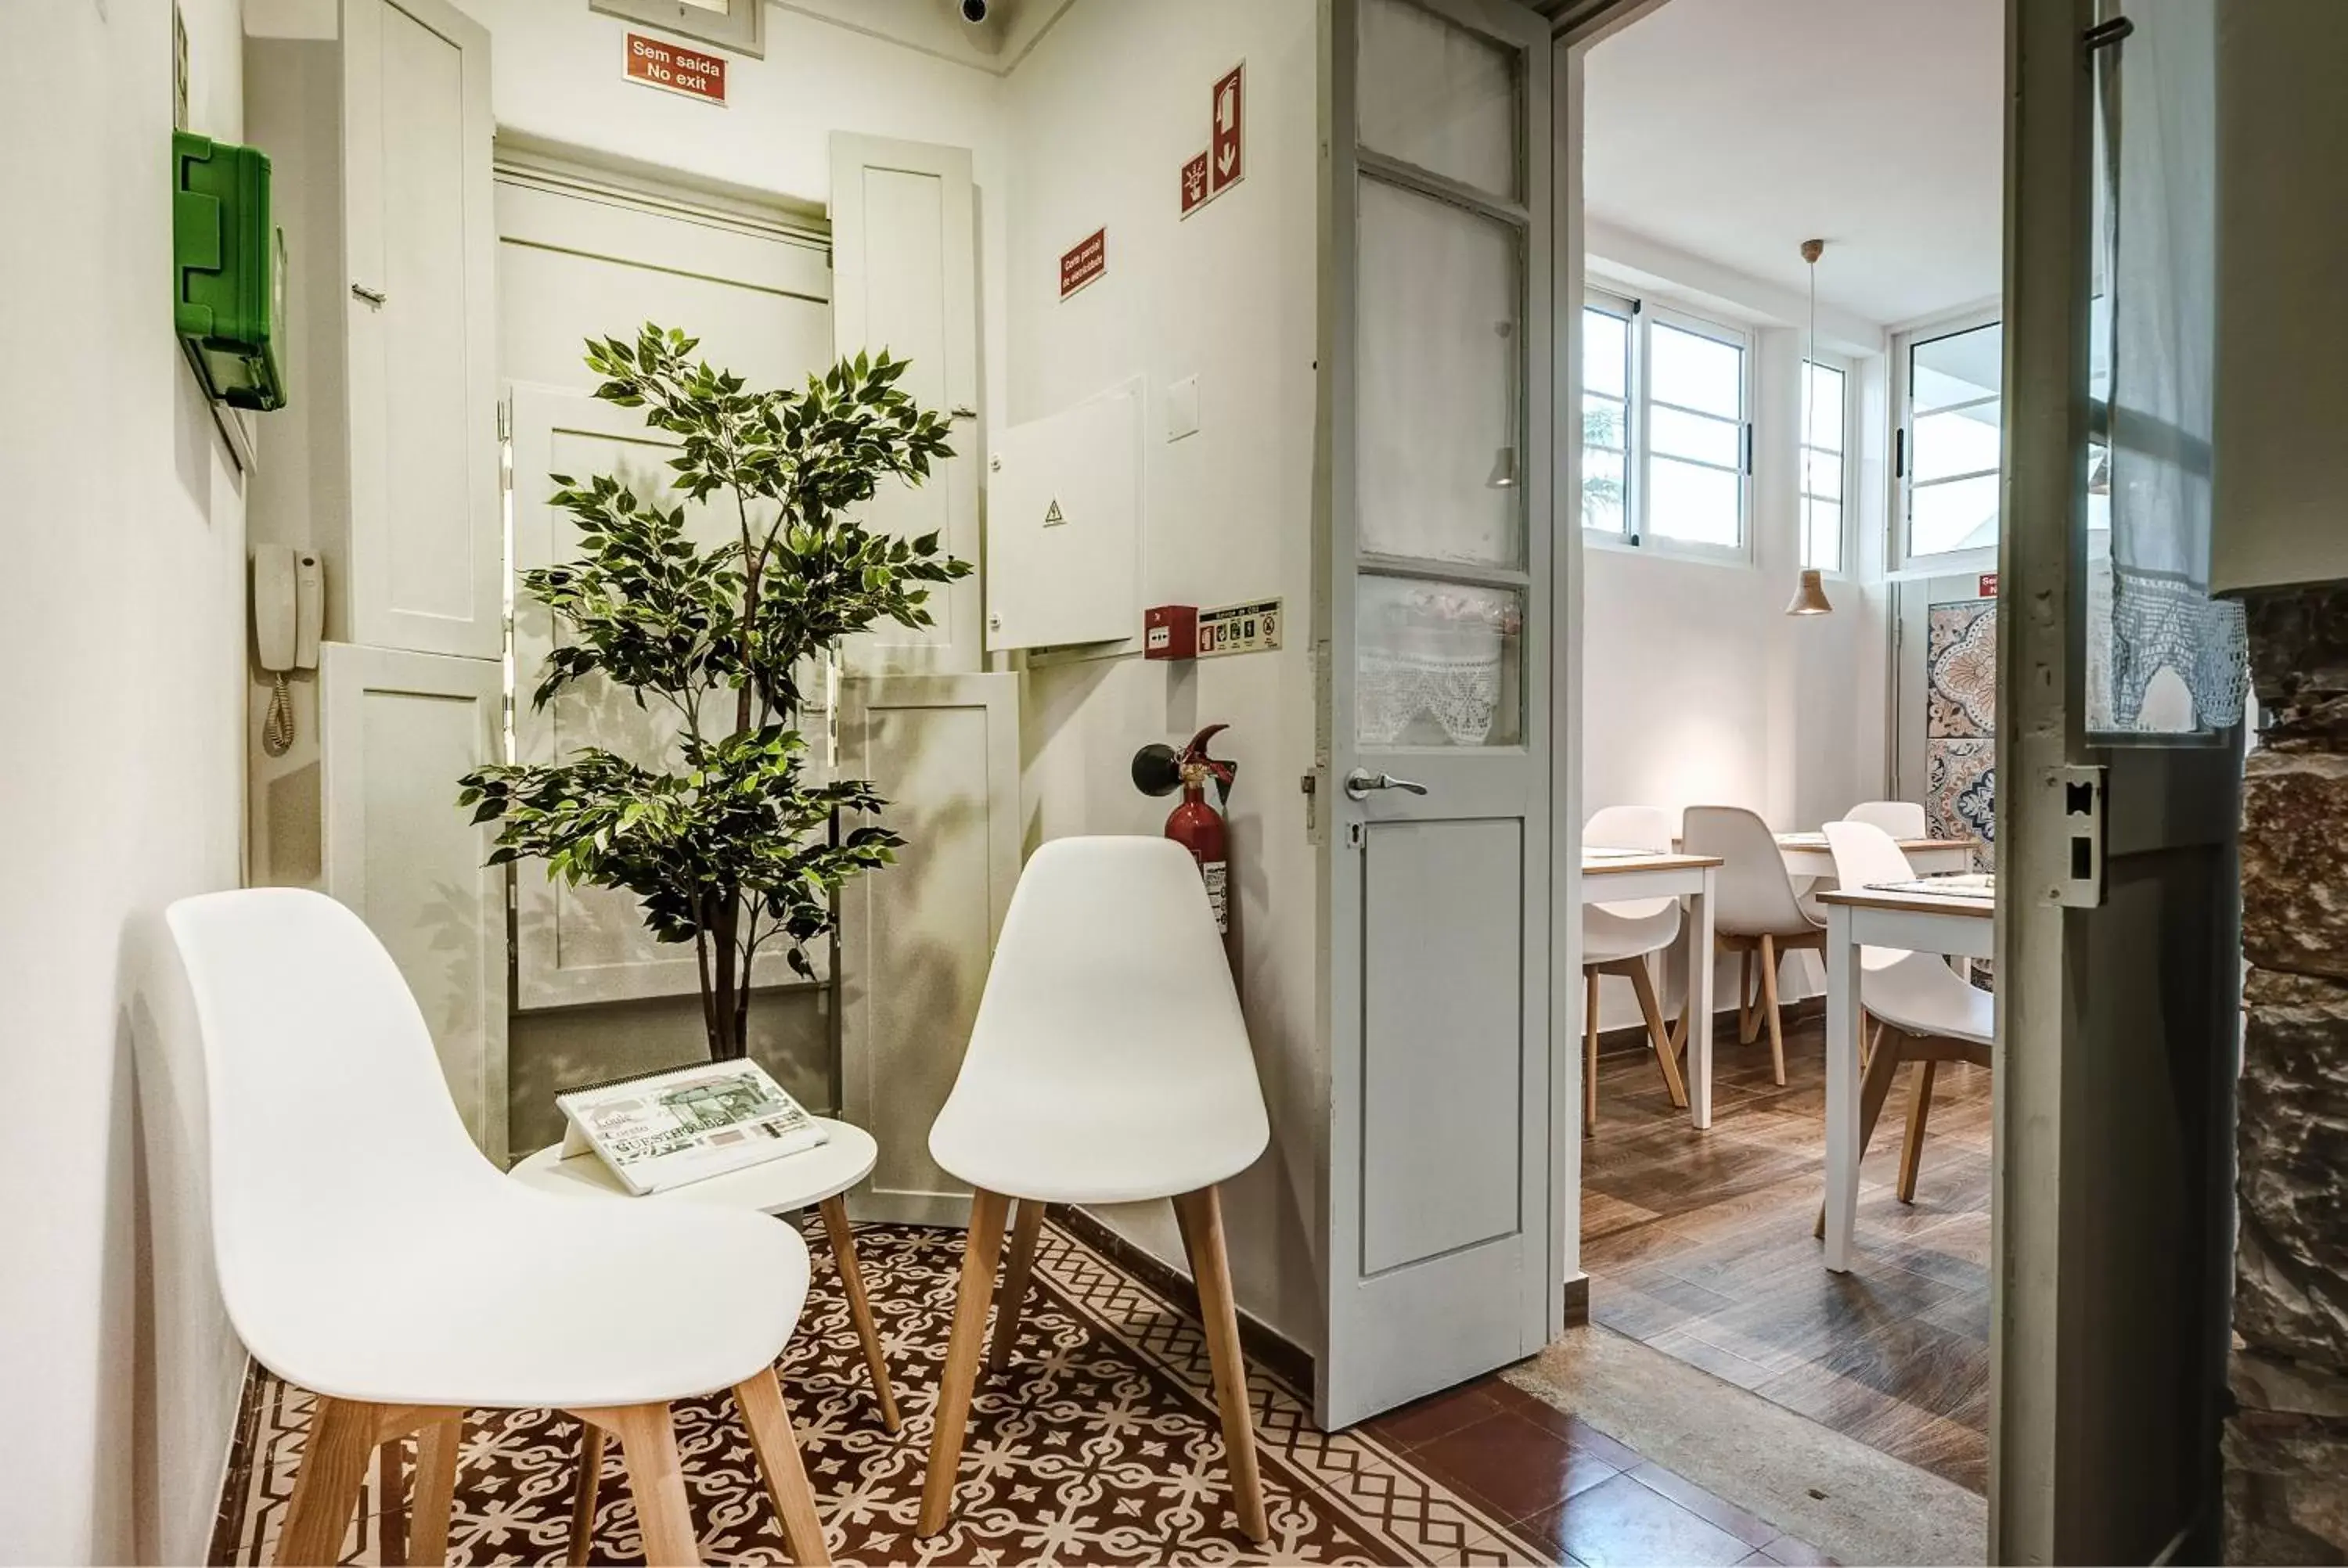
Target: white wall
1700,690
1102,115
124,521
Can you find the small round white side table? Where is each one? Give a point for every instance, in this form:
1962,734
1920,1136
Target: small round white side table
813,1178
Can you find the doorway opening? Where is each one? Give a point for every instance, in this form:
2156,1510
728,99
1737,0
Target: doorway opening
1789,465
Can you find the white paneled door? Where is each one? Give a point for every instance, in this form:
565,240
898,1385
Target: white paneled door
917,937
426,540
905,278
396,730
1435,617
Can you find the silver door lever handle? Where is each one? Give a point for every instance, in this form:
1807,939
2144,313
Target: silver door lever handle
1361,782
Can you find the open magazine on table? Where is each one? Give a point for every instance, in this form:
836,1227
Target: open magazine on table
661,1130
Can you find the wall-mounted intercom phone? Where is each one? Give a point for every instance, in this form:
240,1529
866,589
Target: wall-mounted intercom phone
289,612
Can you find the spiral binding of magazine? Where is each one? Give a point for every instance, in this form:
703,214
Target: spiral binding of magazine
664,1129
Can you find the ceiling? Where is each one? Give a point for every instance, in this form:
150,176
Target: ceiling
1734,129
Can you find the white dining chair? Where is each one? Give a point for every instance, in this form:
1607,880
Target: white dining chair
1619,939
1756,915
1898,818
1109,1064
1924,1012
368,1253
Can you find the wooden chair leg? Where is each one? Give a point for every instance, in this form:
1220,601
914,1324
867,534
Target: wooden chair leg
1769,1005
859,1306
1011,1301
1666,1059
656,1480
436,1446
981,1251
343,1434
590,1467
760,1400
391,1501
1919,1107
1882,1066
1202,1231
1748,1021
1590,1050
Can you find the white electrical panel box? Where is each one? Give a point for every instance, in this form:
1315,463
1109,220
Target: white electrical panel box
1064,526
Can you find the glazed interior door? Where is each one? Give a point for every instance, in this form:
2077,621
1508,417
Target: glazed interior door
1433,619
2117,1023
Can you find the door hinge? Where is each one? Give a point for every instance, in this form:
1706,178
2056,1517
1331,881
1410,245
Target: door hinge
1311,784
2079,795
505,420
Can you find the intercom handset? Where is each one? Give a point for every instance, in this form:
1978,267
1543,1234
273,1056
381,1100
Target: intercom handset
289,612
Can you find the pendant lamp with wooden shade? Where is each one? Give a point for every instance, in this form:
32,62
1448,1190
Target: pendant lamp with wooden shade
1809,591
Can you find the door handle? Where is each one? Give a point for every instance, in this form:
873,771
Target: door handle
375,297
1361,782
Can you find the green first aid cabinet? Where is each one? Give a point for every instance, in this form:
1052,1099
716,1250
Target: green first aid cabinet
228,269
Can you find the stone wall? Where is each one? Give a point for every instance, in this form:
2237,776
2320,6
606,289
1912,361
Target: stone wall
2286,1446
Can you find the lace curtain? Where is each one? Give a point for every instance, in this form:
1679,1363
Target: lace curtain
2163,657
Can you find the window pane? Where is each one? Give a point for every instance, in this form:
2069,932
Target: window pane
1435,464
1696,505
1696,371
1821,474
1605,422
1953,516
1959,368
1822,535
1676,433
1605,354
1436,664
1943,445
1602,494
1438,96
1826,407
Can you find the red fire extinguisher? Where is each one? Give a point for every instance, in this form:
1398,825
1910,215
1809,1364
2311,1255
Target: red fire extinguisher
1194,825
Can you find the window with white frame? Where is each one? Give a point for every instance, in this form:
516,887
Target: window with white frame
1666,441
1826,424
1947,455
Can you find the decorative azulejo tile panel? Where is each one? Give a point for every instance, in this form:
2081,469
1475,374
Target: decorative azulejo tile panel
1961,723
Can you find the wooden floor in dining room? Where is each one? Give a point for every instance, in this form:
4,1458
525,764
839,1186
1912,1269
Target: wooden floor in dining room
1700,1245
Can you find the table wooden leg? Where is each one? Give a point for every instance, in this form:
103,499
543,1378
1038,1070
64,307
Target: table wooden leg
1590,1050
982,1249
1843,1028
834,1210
1701,946
1018,1271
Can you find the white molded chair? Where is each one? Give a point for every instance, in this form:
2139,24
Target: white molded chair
368,1253
1618,939
1896,818
1754,913
1109,1064
1924,1011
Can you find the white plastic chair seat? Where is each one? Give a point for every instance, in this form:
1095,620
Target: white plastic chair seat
367,1251
1109,1062
1607,936
1919,994
524,1299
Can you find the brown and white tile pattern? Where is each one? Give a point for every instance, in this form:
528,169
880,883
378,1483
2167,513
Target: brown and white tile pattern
1099,1445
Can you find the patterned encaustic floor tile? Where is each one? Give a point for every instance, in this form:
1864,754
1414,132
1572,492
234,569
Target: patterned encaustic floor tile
1099,1444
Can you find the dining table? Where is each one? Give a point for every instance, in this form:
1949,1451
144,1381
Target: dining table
1625,875
1955,916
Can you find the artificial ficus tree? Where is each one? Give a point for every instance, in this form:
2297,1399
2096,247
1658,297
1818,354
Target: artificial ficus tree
727,843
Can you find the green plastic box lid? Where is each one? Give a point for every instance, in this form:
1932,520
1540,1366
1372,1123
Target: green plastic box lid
229,268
